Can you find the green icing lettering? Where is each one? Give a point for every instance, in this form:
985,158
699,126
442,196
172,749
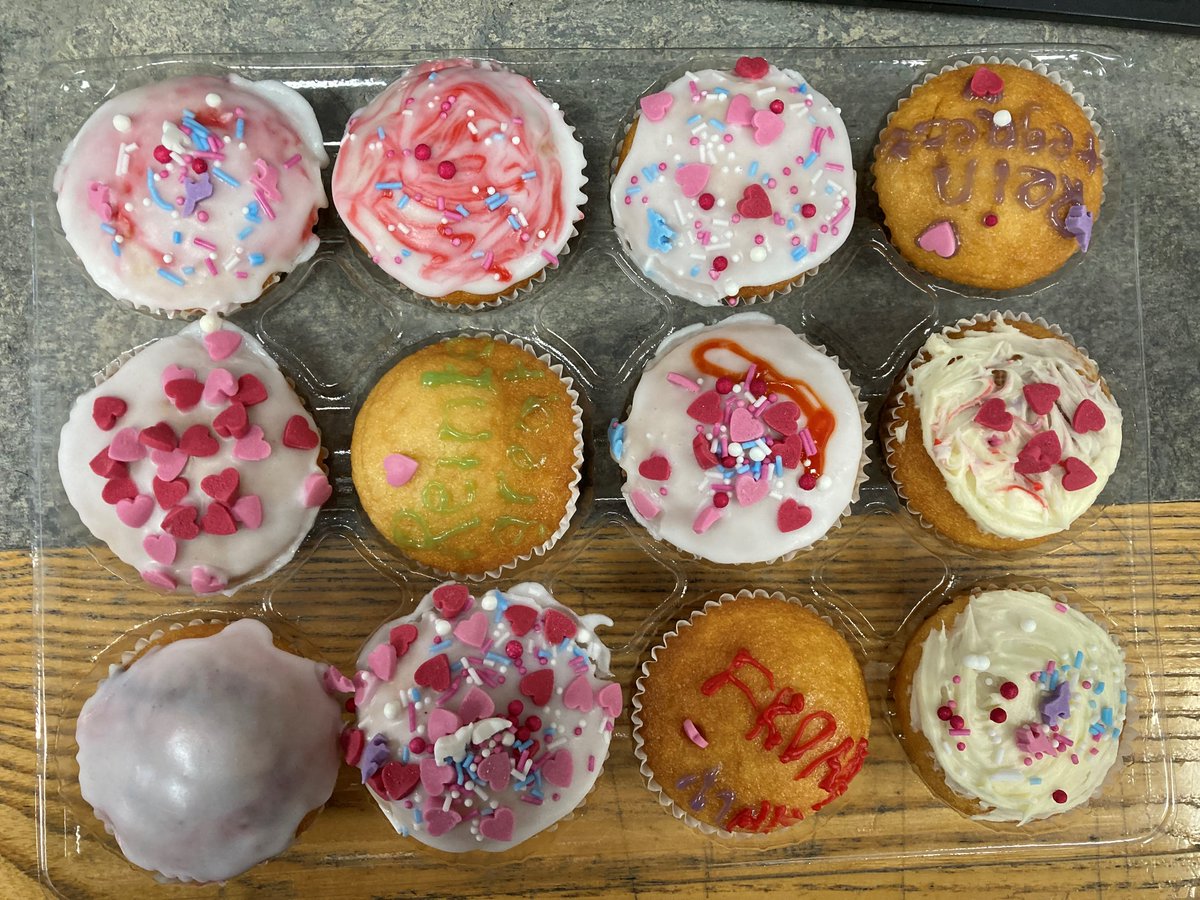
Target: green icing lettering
512,531
450,432
519,457
534,417
510,495
436,497
421,535
470,348
463,462
451,375
519,373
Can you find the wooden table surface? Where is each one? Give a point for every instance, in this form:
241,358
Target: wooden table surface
622,844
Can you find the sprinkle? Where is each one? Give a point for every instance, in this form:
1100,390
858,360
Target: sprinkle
809,160
462,210
693,734
207,245
683,381
159,201
256,259
550,257
379,131
1099,688
240,131
245,232
221,175
108,229
495,201
717,124
291,161
171,277
1078,658
389,185
116,248
487,260
526,176
1061,607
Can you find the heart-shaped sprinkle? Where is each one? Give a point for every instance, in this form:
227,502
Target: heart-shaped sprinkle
751,67
748,490
298,435
434,673
475,705
608,698
398,779
439,821
705,458
499,825
181,522
248,511
250,391
135,511
645,504
107,467
185,393
401,637
994,415
792,516
496,770
986,84
337,683
790,451
223,486
218,520
767,127
706,408
158,578
783,416
656,106
399,469
451,599
939,238
175,373
219,387
232,422
691,178
578,695
656,468
441,722
167,466
740,111
473,630
1078,474
1041,397
755,204
222,344
705,520
159,436
315,490
743,427
520,619
538,686
558,768
126,447
106,411
161,547
1088,417
1040,453
353,740
117,489
252,447
382,661
558,627
198,441
434,776
170,493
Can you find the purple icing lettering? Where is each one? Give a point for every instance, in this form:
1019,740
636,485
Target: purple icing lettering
896,143
934,131
1036,180
941,177
1034,139
1062,143
966,136
1001,170
1087,154
1003,137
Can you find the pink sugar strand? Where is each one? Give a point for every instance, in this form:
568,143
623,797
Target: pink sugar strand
291,161
683,381
262,202
550,257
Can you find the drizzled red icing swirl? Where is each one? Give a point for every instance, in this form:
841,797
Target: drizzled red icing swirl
460,177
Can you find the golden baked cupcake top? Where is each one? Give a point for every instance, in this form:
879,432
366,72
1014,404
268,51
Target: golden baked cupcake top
989,176
752,715
466,455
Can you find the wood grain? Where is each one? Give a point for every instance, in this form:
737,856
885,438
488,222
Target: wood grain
890,836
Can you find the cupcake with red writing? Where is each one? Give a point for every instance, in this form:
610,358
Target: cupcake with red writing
461,181
751,715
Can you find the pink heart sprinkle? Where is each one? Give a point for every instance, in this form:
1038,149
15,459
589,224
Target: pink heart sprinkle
161,547
175,373
1041,397
608,698
475,705
248,510
985,83
994,415
655,467
706,519
222,344
656,106
434,777
767,127
748,490
1078,474
939,238
783,416
496,769
399,469
473,631
317,490
646,506
441,723
439,821
792,516
1088,417
498,826
740,111
252,447
206,581
382,661
126,447
692,178
158,578
135,512
744,427
578,695
1040,453
559,768
219,386
168,463
336,683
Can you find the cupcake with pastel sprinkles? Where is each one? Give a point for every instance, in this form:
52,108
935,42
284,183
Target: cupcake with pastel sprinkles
461,181
1010,704
195,461
743,443
1001,433
751,715
732,186
482,720
194,194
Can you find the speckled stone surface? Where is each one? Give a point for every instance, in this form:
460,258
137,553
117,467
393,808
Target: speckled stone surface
1163,182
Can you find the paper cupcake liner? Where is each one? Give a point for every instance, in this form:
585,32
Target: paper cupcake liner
572,503
890,420
1135,668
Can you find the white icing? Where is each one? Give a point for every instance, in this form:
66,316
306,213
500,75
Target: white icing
658,424
203,757
950,387
827,182
278,126
249,554
991,768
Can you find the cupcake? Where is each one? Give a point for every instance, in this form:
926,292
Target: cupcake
743,443
730,186
209,751
195,461
751,715
1010,704
193,194
461,181
1000,433
990,176
482,721
466,456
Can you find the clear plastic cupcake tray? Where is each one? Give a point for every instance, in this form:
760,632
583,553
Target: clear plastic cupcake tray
336,323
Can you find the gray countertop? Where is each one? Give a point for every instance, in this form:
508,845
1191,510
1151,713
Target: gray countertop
1162,181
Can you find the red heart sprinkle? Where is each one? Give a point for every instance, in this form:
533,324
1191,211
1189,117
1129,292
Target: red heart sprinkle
755,204
233,422
107,467
298,436
198,441
397,779
401,638
994,415
181,523
118,489
451,599
1041,397
538,686
792,515
353,741
434,673
520,619
1088,417
705,458
223,486
656,468
557,627
159,437
218,520
1039,454
784,417
106,411
986,84
706,408
791,451
185,393
751,67
250,391
170,493
1078,474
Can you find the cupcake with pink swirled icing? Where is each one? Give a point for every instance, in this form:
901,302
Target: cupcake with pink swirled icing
461,181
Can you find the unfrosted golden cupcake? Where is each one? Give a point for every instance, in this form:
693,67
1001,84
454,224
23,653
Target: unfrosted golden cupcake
751,715
466,455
